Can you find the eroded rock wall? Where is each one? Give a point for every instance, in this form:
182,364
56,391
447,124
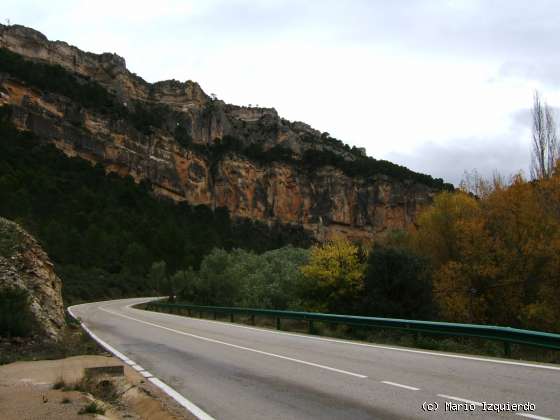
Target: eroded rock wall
325,201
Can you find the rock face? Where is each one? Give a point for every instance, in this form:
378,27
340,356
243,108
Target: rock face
326,201
25,266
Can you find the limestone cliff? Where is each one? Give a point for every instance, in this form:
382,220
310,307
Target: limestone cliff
167,133
25,266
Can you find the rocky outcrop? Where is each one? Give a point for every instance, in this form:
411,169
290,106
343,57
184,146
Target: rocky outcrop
326,201
25,266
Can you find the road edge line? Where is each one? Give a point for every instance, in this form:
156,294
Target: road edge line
180,399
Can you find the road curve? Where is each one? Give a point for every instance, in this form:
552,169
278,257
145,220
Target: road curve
238,372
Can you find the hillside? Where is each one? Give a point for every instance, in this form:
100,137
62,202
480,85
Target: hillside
193,148
104,232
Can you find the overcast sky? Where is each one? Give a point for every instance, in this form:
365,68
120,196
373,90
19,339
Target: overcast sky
439,86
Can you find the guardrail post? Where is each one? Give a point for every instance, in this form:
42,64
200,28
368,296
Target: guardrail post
231,318
215,315
189,312
310,328
507,349
253,319
278,326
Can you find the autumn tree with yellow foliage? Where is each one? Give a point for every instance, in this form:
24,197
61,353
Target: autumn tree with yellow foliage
334,277
496,259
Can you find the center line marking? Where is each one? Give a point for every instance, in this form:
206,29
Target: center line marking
450,397
211,340
412,388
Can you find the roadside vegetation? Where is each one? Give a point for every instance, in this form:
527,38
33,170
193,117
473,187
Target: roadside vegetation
22,346
491,259
15,318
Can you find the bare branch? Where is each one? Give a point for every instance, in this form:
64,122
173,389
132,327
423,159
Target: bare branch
545,151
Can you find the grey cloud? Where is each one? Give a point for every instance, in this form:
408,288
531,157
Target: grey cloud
506,155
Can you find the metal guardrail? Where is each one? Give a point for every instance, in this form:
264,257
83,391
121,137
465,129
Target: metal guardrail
505,334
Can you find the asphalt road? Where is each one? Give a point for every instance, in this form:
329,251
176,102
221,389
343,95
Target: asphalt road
238,372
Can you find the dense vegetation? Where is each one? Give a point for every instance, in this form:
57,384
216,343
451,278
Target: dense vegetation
15,318
494,259
102,231
335,277
246,279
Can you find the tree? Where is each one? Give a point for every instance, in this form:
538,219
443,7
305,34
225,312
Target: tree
496,259
334,277
157,276
474,183
397,284
437,235
546,149
136,259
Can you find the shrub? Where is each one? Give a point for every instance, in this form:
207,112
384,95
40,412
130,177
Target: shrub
397,284
92,408
15,318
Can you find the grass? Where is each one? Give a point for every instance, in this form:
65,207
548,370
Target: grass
92,408
59,384
466,345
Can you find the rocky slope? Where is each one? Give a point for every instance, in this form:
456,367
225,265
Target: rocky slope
25,266
169,133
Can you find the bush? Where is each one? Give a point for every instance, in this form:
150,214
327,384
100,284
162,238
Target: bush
245,279
397,284
15,318
92,408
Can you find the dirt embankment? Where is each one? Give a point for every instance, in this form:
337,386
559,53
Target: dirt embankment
62,389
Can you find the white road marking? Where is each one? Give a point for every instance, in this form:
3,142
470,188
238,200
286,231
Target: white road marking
137,368
533,416
211,340
450,397
412,388
353,343
191,407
